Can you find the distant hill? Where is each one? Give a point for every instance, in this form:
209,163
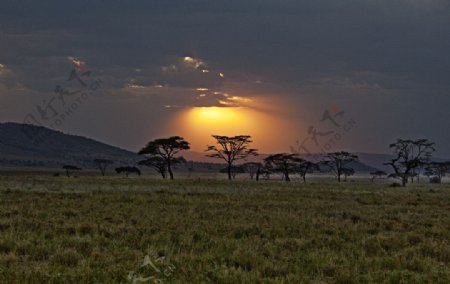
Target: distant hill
29,145
24,145
376,160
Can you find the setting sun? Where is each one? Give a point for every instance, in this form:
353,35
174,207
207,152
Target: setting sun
216,115
211,120
197,124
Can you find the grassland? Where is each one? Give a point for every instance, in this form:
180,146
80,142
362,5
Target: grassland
98,230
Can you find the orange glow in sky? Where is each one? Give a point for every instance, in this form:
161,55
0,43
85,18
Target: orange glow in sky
219,119
197,124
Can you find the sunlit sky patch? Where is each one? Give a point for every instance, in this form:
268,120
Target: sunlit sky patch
279,65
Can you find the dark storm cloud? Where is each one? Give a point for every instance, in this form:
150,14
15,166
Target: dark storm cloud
356,53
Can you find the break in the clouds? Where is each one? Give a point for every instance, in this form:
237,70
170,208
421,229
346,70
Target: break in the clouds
385,63
186,81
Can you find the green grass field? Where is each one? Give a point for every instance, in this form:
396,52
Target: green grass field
94,230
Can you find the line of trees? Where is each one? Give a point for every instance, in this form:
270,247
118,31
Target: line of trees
411,158
235,148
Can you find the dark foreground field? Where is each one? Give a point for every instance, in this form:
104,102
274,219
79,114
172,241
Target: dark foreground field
92,230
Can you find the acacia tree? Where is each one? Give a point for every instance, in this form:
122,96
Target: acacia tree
69,168
283,163
377,174
128,171
102,164
253,169
157,163
438,170
167,149
338,161
411,154
304,167
235,170
347,172
231,149
265,172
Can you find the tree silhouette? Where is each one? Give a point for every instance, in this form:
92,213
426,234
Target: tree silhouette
167,149
235,170
157,163
265,171
438,170
411,154
377,174
69,168
347,172
128,170
304,167
253,169
283,163
231,149
102,164
337,162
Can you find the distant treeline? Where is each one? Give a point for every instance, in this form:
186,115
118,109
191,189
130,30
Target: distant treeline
412,159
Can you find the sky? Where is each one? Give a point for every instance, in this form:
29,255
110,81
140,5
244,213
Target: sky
299,75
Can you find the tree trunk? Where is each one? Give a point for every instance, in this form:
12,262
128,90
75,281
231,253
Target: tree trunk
169,168
229,171
287,178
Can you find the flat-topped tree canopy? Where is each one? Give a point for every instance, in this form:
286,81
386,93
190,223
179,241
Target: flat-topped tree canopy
230,149
338,162
167,149
283,163
69,168
290,164
165,146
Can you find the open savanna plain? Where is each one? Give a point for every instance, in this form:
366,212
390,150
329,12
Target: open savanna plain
119,230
